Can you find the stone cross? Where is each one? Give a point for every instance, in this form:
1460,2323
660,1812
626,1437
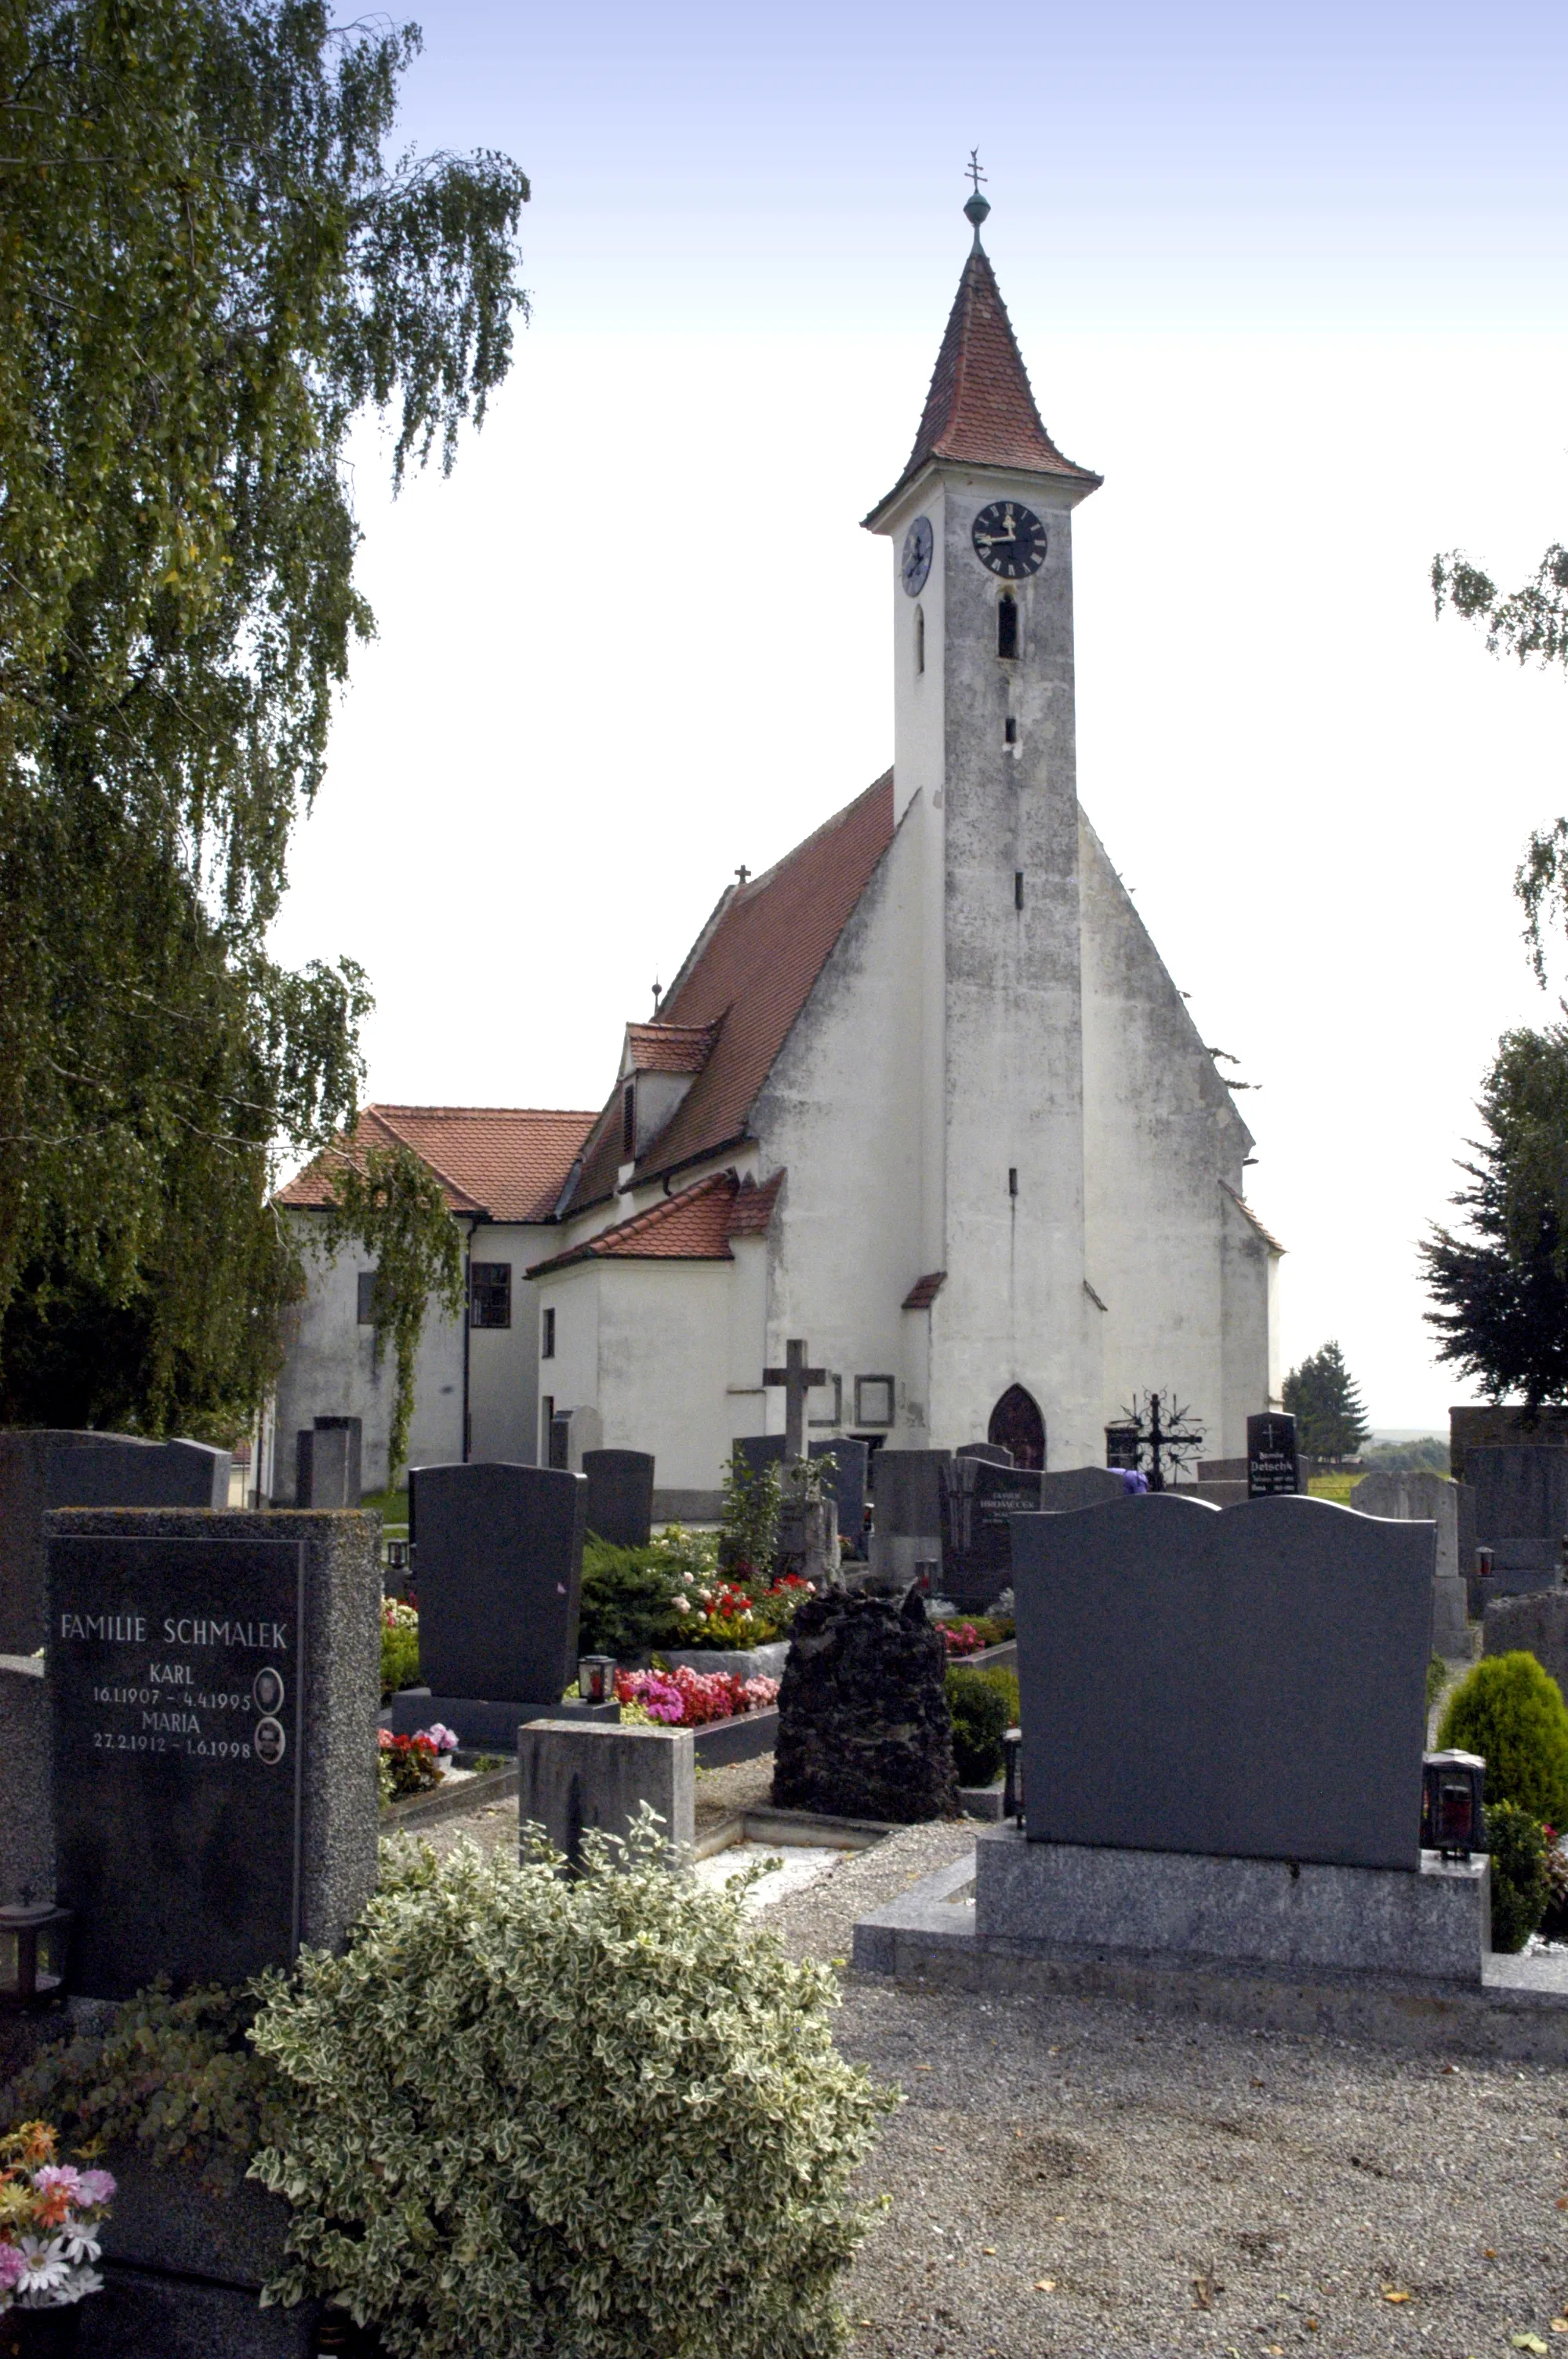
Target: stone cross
797,1380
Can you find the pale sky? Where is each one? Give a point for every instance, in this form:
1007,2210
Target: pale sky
1293,280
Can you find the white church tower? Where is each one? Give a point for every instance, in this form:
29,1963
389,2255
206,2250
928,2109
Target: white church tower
985,765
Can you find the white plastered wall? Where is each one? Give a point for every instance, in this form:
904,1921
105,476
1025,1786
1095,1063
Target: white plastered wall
504,1361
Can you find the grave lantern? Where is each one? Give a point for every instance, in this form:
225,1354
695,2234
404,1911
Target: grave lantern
596,1678
35,1939
1012,1768
1483,1564
397,1556
1452,1803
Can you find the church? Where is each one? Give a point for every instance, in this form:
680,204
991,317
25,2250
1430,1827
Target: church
924,1094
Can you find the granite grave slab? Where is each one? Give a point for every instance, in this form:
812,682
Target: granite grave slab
1080,1486
47,1467
620,1496
1521,1513
1425,1497
1247,1681
324,1475
979,1501
1273,1464
906,1489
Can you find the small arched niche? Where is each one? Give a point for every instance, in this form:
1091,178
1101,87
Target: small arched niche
1017,1425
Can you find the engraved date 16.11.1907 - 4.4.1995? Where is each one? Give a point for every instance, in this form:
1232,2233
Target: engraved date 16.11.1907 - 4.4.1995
1009,538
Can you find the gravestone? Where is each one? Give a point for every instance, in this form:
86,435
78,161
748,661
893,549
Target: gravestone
992,1452
354,1428
848,1488
1522,1514
574,1432
324,1468
498,1573
1272,1462
620,1496
1426,1497
48,1467
864,1729
574,1776
906,1491
27,1851
212,1688
1534,1626
1080,1486
979,1500
1247,1683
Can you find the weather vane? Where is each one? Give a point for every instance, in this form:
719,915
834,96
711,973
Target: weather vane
973,168
975,207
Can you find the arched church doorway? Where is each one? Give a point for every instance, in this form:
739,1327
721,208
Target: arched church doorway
1017,1424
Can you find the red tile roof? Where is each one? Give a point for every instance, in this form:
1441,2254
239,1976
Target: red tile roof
670,1048
980,408
925,1290
694,1225
1242,1206
748,974
511,1162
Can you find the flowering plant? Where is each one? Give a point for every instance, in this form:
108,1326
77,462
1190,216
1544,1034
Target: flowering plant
50,2213
412,1765
688,1698
961,1638
736,1614
399,1645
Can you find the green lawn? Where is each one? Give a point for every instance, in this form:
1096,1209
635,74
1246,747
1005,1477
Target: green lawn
1334,1487
391,1507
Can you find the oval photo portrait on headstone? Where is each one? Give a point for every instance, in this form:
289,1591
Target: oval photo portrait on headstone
270,1740
267,1690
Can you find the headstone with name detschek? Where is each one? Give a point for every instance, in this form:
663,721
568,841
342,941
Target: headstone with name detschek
1273,1465
848,1488
45,1467
979,1501
620,1496
212,1686
498,1573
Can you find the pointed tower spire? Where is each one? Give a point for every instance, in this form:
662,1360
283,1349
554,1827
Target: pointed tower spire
980,409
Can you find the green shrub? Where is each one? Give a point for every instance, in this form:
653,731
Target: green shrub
399,1648
749,1531
1519,1886
627,1597
601,2118
1511,1712
984,1706
1436,1678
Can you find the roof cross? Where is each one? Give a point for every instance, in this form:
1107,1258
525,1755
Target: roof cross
797,1380
742,871
973,170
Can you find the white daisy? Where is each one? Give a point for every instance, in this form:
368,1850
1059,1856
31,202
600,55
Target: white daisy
46,2265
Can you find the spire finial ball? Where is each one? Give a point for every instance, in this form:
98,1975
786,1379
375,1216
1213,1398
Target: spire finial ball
975,208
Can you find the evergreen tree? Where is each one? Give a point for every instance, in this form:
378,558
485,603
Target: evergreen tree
1322,1396
208,269
1502,1291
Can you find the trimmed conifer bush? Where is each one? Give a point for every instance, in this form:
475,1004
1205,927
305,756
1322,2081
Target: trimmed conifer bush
984,1706
596,2118
1511,1711
1521,1889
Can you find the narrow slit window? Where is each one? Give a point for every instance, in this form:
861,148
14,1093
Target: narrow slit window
1006,625
919,638
629,1122
1013,1179
1010,730
547,1334
1018,888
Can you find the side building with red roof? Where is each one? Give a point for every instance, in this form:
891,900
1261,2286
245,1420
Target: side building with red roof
923,1094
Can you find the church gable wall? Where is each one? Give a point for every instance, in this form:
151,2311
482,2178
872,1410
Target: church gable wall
1160,1133
841,1111
662,1360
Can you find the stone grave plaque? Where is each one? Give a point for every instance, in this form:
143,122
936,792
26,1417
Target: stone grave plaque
1246,1682
323,1464
1272,1464
620,1496
498,1571
178,1674
978,1502
847,1489
1522,1514
44,1467
1080,1486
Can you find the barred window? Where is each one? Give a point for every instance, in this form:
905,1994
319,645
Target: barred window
367,1279
490,1291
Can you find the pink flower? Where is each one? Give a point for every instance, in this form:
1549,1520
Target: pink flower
384,1739
96,2187
59,2174
444,1739
11,2267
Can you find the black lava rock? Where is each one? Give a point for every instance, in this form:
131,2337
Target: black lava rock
864,1730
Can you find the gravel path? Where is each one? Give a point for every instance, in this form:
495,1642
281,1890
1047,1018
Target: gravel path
1074,2179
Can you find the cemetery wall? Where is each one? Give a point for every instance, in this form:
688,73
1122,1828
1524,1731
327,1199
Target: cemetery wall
1185,1295
1015,1306
329,1370
845,1127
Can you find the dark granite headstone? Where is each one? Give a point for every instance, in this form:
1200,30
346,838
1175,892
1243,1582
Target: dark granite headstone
620,1496
992,1452
1248,1682
1080,1486
1272,1463
864,1729
323,1468
354,1428
212,1689
47,1467
979,1501
1520,1494
851,1462
498,1573
906,1492
1536,1624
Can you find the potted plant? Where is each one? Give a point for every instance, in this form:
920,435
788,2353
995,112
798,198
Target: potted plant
49,2216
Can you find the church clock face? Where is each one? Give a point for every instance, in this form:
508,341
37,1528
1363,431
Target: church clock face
1009,538
916,564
